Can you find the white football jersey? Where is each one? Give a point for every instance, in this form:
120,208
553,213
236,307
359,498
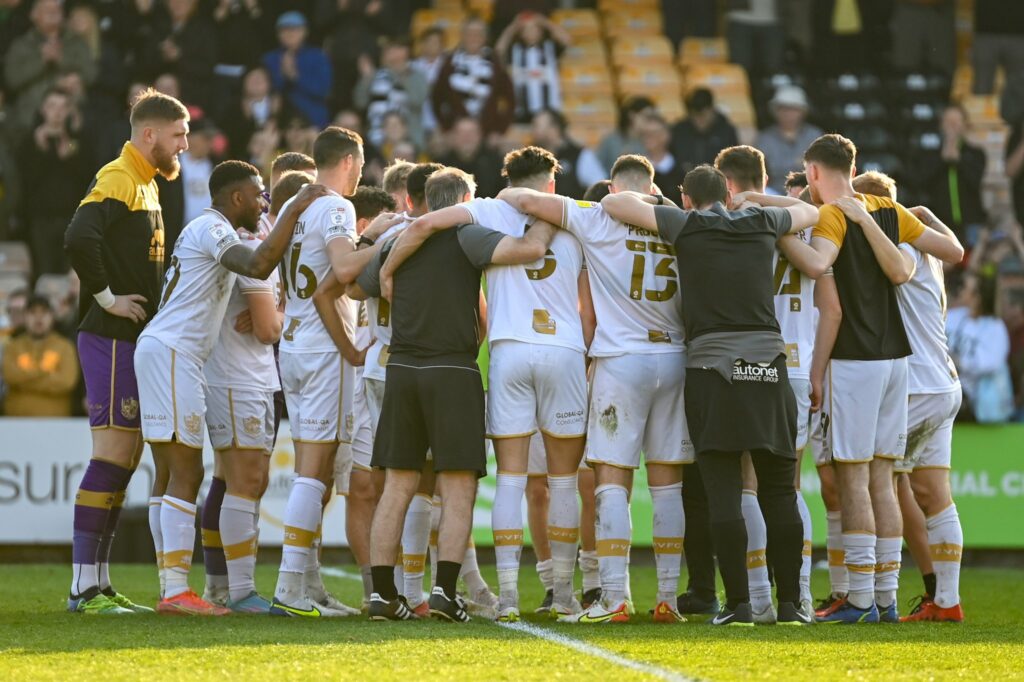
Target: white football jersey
794,308
923,305
537,302
306,264
240,360
634,282
378,313
196,287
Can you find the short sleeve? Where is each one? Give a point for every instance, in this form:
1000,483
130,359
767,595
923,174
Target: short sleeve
479,243
577,215
340,220
217,237
670,221
910,226
251,285
831,225
369,279
495,214
778,219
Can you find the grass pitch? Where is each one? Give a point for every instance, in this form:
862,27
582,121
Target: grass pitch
39,641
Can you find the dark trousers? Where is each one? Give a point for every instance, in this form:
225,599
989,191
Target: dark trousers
697,543
776,494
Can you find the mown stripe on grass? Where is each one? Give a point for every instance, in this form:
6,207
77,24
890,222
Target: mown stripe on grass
596,651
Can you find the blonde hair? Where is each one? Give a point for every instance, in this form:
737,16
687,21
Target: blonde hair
876,183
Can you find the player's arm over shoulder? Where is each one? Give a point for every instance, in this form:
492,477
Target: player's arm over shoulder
932,238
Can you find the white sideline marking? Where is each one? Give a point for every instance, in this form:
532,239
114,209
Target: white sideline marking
558,638
596,651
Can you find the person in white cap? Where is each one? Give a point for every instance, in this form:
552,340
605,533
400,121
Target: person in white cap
784,143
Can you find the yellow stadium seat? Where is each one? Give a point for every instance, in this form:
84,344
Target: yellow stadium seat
719,78
633,23
630,49
581,24
589,52
448,6
482,8
703,50
613,6
738,109
983,111
587,135
670,108
590,80
422,19
597,111
652,80
15,258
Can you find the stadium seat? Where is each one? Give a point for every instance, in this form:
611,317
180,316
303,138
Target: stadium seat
588,135
738,109
652,81
449,22
870,138
586,80
581,24
856,112
15,258
722,79
629,50
597,111
53,287
588,53
612,6
852,86
671,108
703,51
633,23
448,6
482,8
889,164
11,282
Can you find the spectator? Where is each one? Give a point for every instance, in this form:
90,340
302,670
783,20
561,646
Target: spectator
185,45
196,168
668,172
784,143
253,111
373,161
37,58
352,28
302,74
924,36
998,41
472,82
580,166
704,132
429,62
626,138
530,47
756,40
396,143
242,28
950,177
1015,168
980,345
109,135
14,313
299,135
105,93
55,172
395,86
469,153
10,185
40,367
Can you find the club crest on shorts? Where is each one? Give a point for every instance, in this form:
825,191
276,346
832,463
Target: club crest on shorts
129,408
193,422
252,425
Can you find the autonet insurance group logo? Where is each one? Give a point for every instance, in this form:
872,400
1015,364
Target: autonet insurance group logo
761,372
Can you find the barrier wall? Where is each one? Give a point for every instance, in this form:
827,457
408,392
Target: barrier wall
42,460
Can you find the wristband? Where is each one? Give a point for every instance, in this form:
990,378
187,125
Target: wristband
105,298
363,239
660,198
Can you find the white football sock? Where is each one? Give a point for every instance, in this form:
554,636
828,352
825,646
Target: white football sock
546,574
613,538
470,572
367,576
838,576
946,540
888,554
415,538
563,533
155,504
435,522
589,569
238,533
507,528
805,566
859,548
301,519
178,527
669,526
757,553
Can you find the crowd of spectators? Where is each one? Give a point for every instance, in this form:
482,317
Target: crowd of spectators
263,76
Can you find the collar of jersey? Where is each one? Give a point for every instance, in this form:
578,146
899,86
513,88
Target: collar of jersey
138,162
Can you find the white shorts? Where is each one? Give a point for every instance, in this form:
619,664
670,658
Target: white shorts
538,463
172,394
865,410
818,452
362,439
318,389
636,404
533,386
240,418
930,430
342,468
802,393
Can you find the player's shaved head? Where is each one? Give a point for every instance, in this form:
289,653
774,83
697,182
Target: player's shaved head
877,183
632,172
743,167
531,167
449,187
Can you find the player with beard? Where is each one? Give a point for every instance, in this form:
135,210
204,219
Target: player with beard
115,243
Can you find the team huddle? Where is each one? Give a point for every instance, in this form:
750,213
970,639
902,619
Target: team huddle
711,343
